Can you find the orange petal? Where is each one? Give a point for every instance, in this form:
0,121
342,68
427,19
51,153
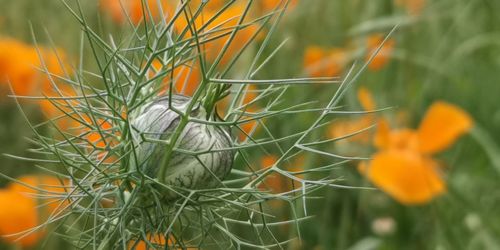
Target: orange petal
120,10
413,7
247,129
250,94
441,127
21,209
366,99
298,165
53,187
268,161
101,138
186,79
275,183
363,167
114,9
59,111
18,62
18,213
382,135
406,176
229,19
215,28
382,58
312,55
155,240
211,5
320,62
344,128
270,5
400,139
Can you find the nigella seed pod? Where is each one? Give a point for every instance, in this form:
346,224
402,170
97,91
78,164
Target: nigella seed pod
158,121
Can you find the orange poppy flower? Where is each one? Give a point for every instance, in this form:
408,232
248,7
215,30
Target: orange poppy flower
403,167
158,241
413,7
441,126
49,184
58,107
21,210
274,182
345,127
297,166
18,214
319,62
156,11
155,240
186,78
101,139
249,127
277,183
247,97
365,98
210,5
270,5
218,30
214,36
52,88
119,10
17,62
114,9
406,175
19,65
383,56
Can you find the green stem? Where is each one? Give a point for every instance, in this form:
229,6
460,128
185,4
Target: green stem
170,146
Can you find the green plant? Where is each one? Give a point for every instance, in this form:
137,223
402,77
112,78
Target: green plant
114,200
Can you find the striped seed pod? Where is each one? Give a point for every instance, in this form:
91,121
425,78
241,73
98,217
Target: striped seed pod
201,171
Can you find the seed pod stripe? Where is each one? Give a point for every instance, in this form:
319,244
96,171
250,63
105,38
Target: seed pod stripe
203,171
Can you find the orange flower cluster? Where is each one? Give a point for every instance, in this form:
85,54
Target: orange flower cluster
21,210
156,240
214,30
403,167
250,126
270,5
19,66
19,63
330,62
342,128
383,56
320,62
186,81
247,102
186,78
413,7
121,10
100,138
277,183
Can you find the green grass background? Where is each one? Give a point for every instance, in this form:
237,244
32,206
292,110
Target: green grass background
450,52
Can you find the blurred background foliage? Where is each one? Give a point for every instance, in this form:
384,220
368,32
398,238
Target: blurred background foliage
445,50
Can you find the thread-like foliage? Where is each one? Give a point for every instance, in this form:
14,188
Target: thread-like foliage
110,203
